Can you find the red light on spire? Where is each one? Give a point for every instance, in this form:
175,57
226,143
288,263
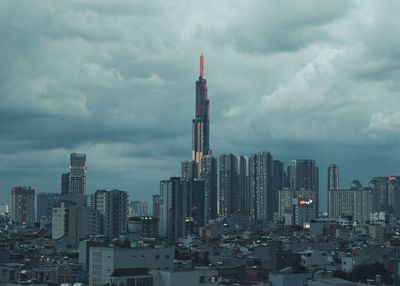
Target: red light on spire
201,66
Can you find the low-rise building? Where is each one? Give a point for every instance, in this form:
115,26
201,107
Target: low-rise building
103,261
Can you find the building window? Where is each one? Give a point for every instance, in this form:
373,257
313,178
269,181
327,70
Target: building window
202,279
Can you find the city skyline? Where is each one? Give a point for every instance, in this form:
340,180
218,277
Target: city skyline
125,97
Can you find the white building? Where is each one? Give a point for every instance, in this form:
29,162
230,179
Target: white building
313,259
104,260
198,276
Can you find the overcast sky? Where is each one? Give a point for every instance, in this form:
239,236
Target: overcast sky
115,80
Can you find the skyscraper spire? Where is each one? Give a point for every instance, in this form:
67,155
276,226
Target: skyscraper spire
202,66
201,123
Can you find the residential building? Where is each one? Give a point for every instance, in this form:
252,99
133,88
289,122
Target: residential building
296,206
209,175
113,207
304,175
356,202
168,191
261,177
23,205
333,177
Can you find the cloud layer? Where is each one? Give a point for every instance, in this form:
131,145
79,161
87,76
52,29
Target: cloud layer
115,79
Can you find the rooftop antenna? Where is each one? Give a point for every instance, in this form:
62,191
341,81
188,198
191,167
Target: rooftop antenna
201,66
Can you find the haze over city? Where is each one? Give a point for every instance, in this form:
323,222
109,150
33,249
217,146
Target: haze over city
115,80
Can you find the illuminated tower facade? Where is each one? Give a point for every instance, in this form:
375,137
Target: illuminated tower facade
201,123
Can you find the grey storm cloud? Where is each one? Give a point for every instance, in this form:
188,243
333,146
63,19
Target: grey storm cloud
115,79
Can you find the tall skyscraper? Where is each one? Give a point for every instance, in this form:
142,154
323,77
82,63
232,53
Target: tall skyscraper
380,188
233,187
23,205
201,123
304,175
394,195
209,175
261,176
113,207
278,177
333,177
242,170
228,188
182,207
189,207
168,192
77,174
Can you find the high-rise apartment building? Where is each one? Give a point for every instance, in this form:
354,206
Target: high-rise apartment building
333,177
296,206
228,185
304,175
201,123
355,202
340,203
278,178
234,184
189,207
113,207
380,188
394,196
386,192
209,174
77,174
23,205
261,177
182,207
168,192
242,170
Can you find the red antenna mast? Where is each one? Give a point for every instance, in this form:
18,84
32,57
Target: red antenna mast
201,66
